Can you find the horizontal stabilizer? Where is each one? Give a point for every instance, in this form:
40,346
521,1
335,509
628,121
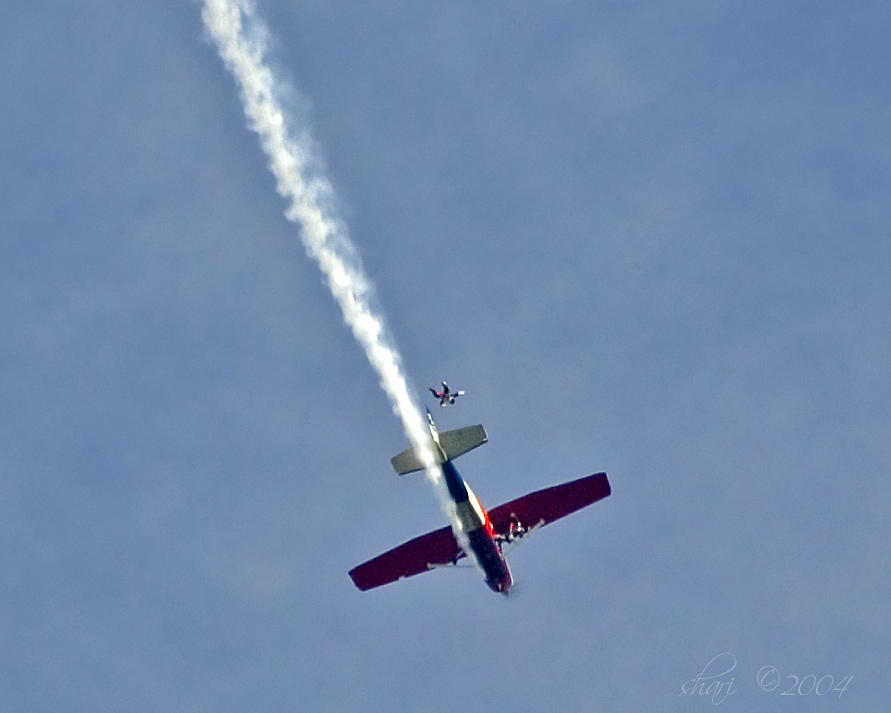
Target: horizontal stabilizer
458,442
453,443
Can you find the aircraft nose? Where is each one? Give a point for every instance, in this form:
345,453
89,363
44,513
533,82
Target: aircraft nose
500,585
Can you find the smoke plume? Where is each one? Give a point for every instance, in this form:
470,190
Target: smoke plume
242,41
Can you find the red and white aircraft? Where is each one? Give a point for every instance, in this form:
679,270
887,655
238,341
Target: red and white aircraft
486,531
446,396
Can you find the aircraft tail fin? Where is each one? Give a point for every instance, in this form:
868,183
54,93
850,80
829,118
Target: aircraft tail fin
452,443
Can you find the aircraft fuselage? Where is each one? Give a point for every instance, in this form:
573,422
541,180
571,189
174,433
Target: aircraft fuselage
479,530
473,532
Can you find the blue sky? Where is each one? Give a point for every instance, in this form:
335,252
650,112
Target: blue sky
648,238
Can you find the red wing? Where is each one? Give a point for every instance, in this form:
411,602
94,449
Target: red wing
545,506
434,549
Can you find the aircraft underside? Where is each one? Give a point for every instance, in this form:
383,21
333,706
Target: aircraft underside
485,531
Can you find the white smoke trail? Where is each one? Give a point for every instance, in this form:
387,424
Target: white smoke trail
241,39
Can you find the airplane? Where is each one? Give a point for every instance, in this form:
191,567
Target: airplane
446,396
486,532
